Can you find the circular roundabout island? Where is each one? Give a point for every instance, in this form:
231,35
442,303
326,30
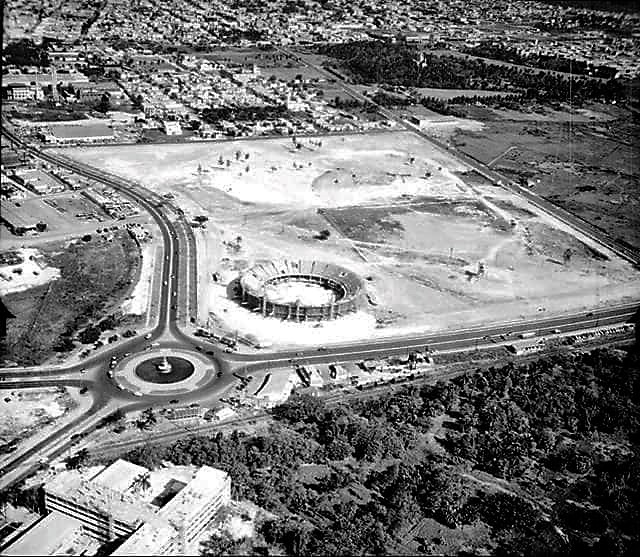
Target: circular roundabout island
165,369
165,372
301,290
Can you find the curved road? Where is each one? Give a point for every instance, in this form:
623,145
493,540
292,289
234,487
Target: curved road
177,304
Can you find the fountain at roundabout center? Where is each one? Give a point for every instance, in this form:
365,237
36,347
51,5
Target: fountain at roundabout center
164,369
164,366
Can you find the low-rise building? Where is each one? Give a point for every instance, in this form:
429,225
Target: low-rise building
158,512
91,133
38,181
95,90
18,92
48,536
19,221
184,413
171,127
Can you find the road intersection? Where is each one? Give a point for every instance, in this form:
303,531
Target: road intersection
178,306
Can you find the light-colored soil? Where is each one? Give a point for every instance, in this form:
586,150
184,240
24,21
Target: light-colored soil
21,411
35,272
418,241
138,302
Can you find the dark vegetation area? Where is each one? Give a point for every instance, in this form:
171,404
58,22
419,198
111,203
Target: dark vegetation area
397,64
26,53
544,455
93,275
602,5
541,61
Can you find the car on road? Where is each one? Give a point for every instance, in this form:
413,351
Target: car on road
173,306
590,314
147,336
174,401
228,350
299,354
83,370
219,374
322,349
165,283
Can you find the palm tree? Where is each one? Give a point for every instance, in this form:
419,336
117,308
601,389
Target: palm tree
142,482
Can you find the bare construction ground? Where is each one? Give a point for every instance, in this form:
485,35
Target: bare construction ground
436,244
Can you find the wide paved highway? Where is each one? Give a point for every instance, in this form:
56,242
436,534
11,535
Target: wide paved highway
178,303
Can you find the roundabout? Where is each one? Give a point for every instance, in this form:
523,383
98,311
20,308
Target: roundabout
163,372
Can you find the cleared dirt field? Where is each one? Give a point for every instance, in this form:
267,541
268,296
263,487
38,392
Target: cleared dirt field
437,246
23,412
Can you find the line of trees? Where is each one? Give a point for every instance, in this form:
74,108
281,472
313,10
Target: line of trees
505,53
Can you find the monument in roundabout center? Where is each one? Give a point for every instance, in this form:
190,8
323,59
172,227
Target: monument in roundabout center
164,366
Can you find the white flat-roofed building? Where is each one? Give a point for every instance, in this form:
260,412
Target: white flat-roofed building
91,133
183,518
120,475
160,511
277,388
171,127
105,512
47,537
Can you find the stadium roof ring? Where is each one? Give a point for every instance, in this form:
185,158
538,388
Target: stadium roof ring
301,290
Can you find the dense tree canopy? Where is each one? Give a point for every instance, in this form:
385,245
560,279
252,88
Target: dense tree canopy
563,427
404,65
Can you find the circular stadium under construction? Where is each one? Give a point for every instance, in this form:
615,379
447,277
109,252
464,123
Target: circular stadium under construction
301,290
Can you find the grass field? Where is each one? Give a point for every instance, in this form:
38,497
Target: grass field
589,168
94,277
